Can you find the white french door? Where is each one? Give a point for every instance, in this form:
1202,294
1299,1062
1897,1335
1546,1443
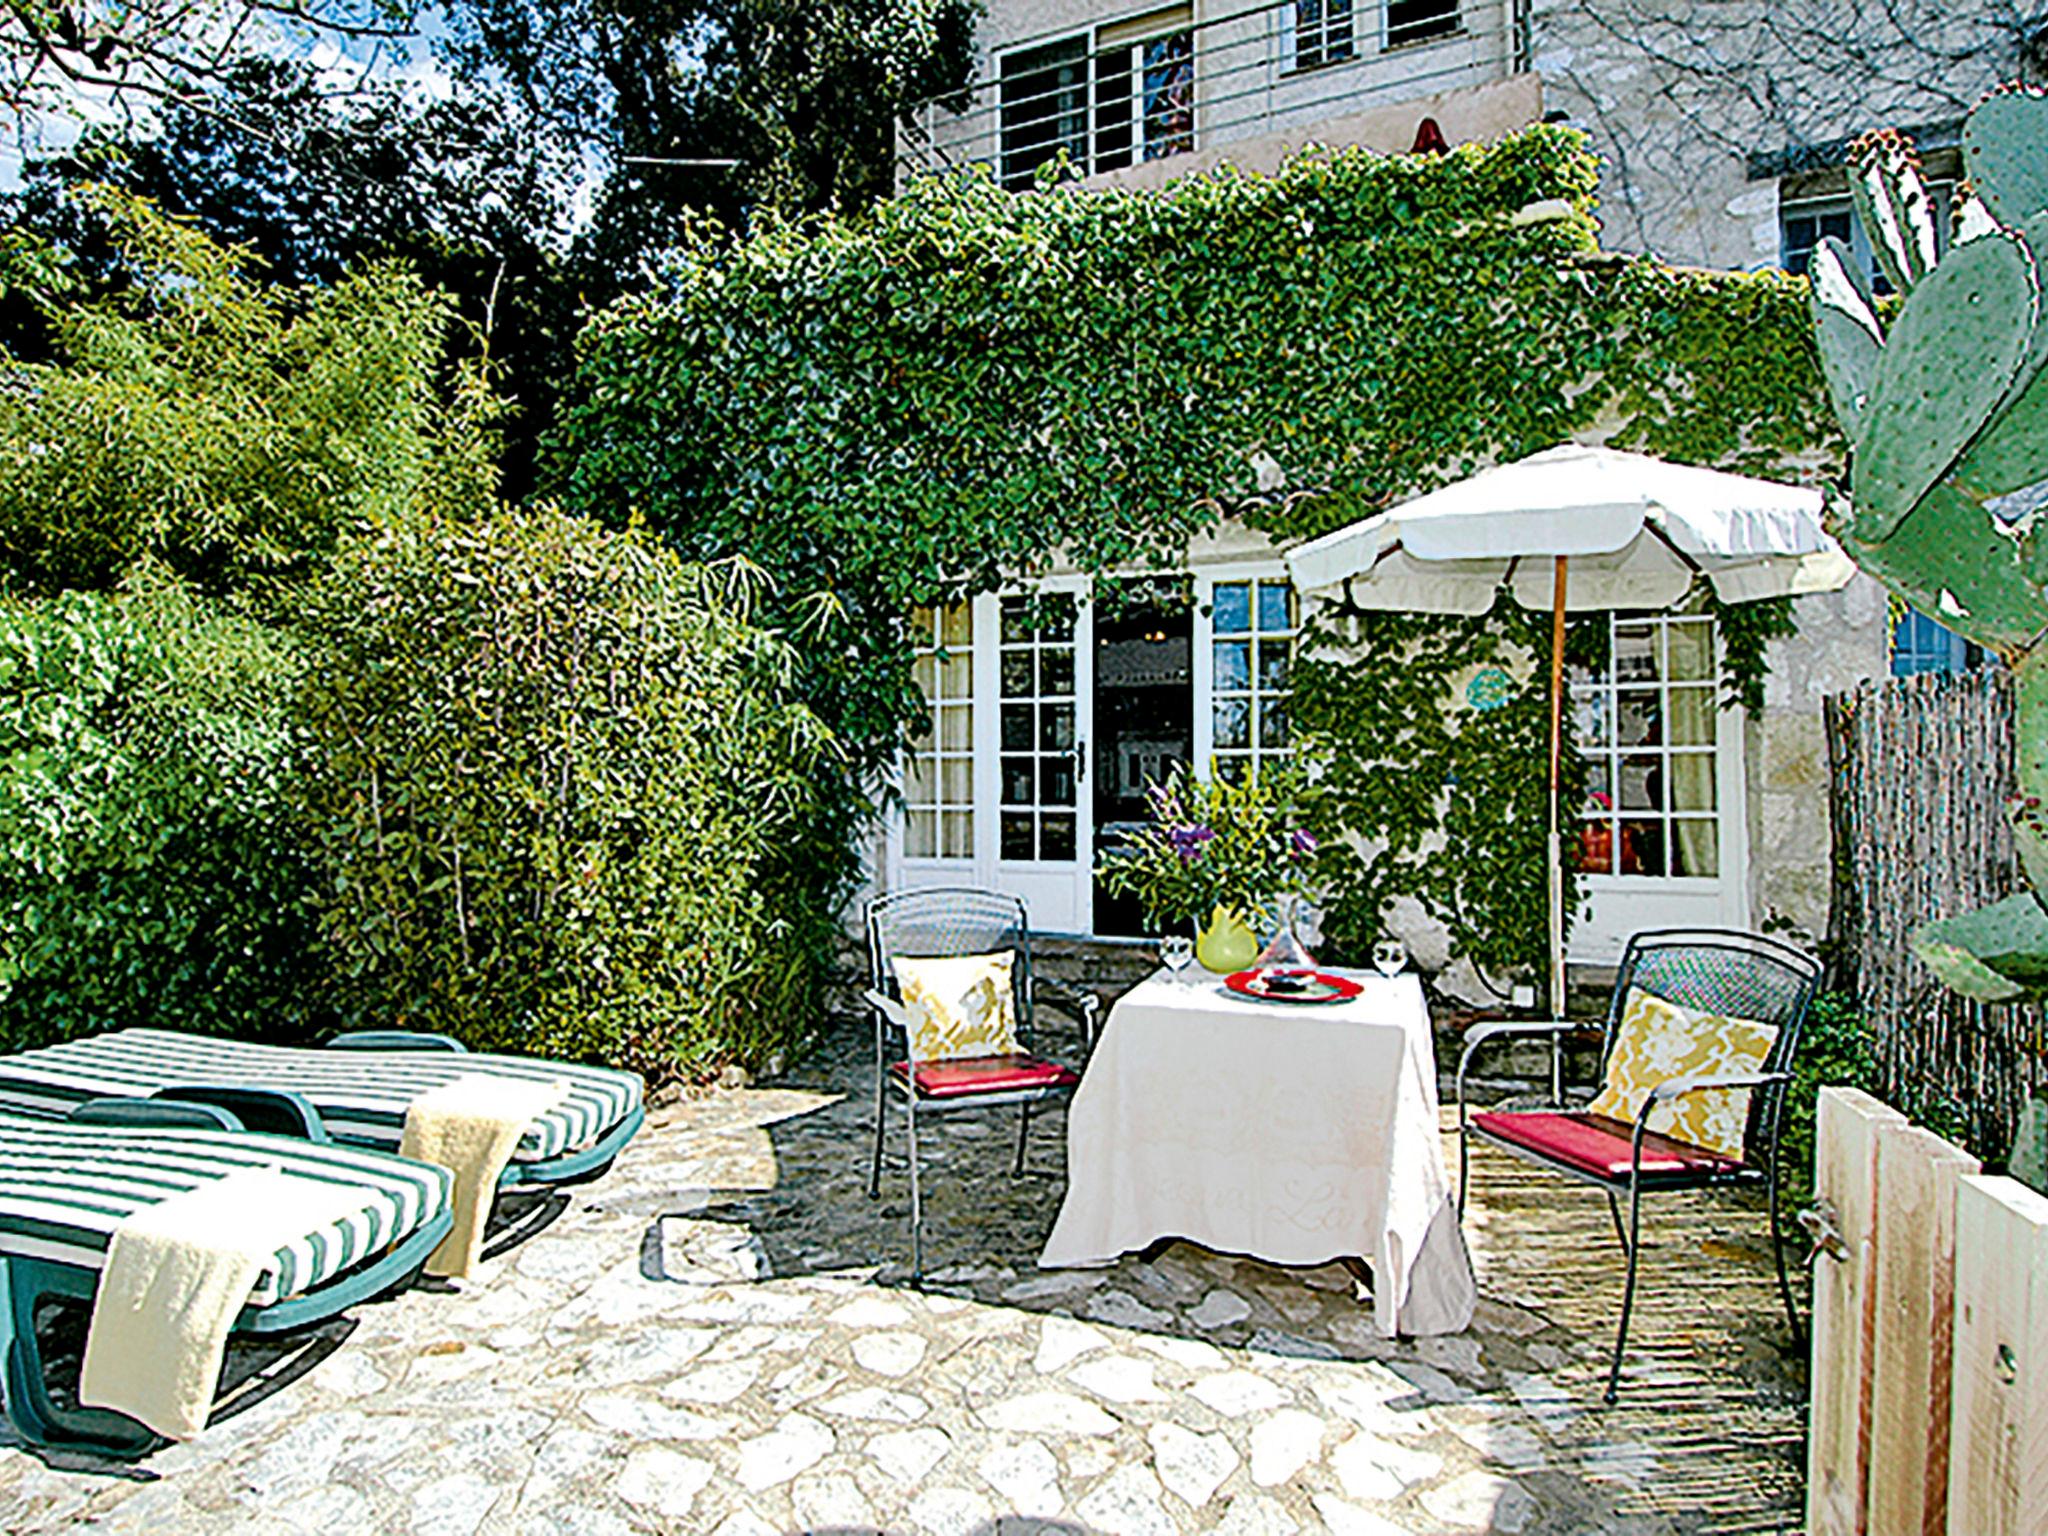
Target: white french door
1663,839
997,787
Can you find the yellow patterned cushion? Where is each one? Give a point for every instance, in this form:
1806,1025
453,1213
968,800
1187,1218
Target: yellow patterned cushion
959,1005
1659,1039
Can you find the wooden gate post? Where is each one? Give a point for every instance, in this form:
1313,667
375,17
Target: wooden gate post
1847,1128
1998,1454
1913,1306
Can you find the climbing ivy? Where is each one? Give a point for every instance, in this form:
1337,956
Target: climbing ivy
967,384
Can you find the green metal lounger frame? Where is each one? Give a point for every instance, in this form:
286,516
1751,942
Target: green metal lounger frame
26,1282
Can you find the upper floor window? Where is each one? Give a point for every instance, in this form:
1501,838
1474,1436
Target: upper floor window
1318,32
1121,94
1417,21
1805,222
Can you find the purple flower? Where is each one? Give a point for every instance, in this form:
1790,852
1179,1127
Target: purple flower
1187,841
1302,842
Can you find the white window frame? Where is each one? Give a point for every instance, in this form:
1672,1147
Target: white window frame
1291,37
1206,580
1093,50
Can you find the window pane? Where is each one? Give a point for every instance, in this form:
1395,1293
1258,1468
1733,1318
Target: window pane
1233,603
1169,83
1233,723
1056,672
1691,653
1597,784
1639,717
1017,780
1056,727
1592,719
1273,657
1635,657
956,727
1232,767
924,672
957,831
1695,849
1692,781
1017,675
1056,781
922,621
1596,847
1016,835
1016,727
1016,620
1692,717
1642,848
956,675
1056,836
1233,666
1276,606
956,780
957,626
1273,724
1415,21
920,781
921,836
1642,783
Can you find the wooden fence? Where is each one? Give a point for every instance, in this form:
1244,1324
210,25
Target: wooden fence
1930,1336
1921,769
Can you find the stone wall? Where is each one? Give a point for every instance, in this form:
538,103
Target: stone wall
1697,112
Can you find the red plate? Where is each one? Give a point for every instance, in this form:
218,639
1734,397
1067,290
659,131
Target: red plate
1313,986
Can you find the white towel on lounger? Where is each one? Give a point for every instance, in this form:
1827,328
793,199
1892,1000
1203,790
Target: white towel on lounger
176,1276
471,1126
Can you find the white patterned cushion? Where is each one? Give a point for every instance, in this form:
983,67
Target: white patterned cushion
959,1005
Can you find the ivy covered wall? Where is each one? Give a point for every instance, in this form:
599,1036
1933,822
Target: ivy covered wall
969,383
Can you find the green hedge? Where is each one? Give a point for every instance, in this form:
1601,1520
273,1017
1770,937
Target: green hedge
554,787
150,872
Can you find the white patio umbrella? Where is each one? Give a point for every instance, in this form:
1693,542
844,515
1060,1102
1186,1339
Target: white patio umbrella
1577,529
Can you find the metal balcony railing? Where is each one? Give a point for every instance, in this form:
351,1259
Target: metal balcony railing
1112,95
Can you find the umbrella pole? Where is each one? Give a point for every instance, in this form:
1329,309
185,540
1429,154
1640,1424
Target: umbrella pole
1556,860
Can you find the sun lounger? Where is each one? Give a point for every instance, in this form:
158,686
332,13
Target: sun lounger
358,1089
66,1185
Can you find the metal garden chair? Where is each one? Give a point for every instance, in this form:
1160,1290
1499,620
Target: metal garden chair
958,920
1739,975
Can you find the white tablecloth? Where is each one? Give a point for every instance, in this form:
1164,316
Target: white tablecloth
1292,1133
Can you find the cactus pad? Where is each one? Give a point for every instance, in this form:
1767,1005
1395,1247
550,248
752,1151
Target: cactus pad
2005,155
1892,200
1846,328
1994,954
1954,351
1950,562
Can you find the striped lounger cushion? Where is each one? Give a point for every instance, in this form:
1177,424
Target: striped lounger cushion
65,1187
362,1095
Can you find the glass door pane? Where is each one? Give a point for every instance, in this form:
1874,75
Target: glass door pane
1042,752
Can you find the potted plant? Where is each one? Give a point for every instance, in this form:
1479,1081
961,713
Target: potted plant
1224,854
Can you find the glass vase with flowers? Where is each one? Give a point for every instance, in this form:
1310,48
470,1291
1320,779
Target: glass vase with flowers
1228,855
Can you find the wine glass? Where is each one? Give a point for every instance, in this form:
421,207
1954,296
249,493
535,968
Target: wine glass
1178,951
1389,955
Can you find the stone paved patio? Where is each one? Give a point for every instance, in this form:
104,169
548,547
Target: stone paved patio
703,1342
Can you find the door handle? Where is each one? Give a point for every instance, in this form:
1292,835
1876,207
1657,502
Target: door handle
1080,757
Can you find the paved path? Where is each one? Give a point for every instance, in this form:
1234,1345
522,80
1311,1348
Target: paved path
703,1342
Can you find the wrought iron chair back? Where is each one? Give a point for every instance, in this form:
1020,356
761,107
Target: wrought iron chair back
949,920
1734,975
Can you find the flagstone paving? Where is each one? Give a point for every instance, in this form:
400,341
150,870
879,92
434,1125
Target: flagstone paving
719,1337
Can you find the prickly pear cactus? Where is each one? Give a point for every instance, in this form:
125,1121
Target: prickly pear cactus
1948,415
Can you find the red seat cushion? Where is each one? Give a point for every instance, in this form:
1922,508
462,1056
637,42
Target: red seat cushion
965,1076
1597,1145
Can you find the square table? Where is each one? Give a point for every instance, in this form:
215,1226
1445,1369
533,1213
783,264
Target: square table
1294,1133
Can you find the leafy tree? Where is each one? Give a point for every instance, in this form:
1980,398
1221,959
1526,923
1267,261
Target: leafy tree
803,97
314,188
226,431
73,58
